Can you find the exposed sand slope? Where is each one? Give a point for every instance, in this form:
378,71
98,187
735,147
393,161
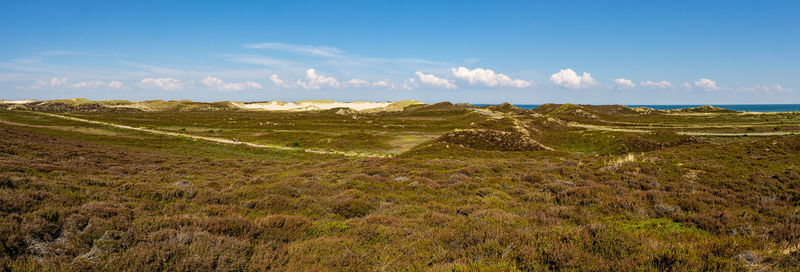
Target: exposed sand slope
16,101
78,104
323,105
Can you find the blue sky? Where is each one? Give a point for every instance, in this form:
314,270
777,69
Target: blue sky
525,52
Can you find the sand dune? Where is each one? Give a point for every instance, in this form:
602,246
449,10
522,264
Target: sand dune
312,105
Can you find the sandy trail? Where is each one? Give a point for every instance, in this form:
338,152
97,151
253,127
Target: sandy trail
517,126
217,140
485,112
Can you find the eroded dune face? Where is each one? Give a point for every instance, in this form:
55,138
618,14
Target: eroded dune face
309,105
79,104
16,101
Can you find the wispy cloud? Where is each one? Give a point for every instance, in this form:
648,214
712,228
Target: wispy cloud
334,59
160,70
262,61
64,53
50,83
166,84
63,82
765,89
98,84
12,76
219,84
322,51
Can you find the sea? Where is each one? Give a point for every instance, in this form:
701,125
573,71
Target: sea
736,107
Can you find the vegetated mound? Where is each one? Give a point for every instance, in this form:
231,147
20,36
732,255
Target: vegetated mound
441,106
506,108
587,113
506,134
611,109
57,106
491,139
554,109
644,110
569,112
702,109
340,111
397,106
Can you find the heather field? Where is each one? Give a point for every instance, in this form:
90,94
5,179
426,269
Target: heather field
423,187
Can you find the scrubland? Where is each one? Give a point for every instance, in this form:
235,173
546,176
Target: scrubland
513,190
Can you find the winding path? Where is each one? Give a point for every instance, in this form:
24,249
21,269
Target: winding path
217,140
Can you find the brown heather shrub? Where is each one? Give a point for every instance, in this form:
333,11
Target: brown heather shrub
230,226
325,253
269,256
173,250
283,228
352,203
271,203
285,189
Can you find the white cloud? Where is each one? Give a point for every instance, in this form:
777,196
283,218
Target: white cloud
568,78
115,84
64,83
88,84
781,88
98,84
165,83
216,83
708,84
432,80
765,88
356,83
317,81
660,85
277,80
487,77
382,83
686,85
322,51
52,83
624,83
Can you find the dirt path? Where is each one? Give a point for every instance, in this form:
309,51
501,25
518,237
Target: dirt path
517,126
485,112
595,127
217,140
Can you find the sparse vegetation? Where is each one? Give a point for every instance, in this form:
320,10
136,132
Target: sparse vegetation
475,192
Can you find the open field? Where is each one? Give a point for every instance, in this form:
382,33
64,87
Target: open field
438,187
